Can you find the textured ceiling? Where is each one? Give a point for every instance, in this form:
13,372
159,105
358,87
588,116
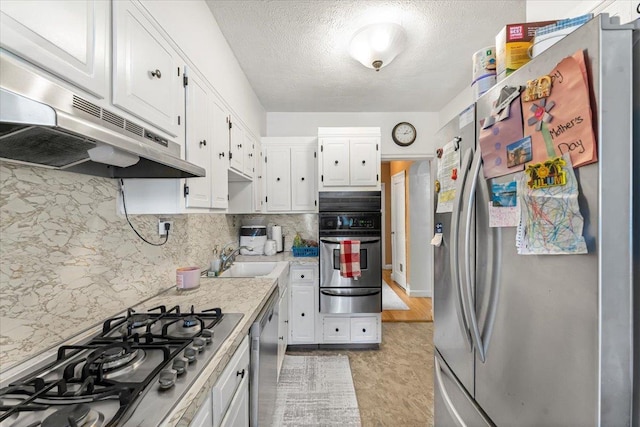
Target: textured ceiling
295,53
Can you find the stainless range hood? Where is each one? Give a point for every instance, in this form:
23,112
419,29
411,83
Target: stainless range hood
44,124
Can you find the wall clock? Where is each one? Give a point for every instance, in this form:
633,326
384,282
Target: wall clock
404,134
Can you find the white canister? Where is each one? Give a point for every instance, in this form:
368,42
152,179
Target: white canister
270,247
276,234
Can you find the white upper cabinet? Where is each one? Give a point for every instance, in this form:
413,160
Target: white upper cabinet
349,159
199,144
248,151
220,160
258,174
291,173
364,161
278,171
147,72
334,153
236,152
304,195
69,39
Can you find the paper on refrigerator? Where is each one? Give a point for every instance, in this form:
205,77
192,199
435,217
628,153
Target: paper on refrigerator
448,167
551,223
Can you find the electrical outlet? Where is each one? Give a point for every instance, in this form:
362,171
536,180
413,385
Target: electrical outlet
161,223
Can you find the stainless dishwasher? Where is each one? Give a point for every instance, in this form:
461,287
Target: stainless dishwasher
264,364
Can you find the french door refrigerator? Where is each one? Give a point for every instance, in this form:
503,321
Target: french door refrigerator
545,340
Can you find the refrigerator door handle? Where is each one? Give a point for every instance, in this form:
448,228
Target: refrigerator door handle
447,399
471,312
455,254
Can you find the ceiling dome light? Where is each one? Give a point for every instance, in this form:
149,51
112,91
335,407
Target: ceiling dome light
376,45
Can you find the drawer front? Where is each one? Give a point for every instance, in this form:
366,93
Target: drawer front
225,388
302,275
364,329
336,329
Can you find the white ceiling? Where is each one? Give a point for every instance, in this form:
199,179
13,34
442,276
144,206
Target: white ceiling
295,52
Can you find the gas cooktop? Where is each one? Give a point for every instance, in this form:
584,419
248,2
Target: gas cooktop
132,373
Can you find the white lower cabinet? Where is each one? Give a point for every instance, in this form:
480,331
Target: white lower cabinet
238,413
351,329
304,304
204,416
283,325
232,384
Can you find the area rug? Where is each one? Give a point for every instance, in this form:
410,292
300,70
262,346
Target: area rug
316,391
391,300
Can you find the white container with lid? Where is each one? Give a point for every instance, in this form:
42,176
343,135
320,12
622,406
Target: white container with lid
253,236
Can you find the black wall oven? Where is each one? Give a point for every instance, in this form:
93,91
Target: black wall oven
350,216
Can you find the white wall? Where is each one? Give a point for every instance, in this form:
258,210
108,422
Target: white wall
306,124
192,26
456,106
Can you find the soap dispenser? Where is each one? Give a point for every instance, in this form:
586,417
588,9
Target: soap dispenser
215,261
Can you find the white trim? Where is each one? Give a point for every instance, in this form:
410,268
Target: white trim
383,215
419,294
399,277
387,267
401,157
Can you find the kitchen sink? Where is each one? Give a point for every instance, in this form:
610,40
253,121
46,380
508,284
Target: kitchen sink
249,269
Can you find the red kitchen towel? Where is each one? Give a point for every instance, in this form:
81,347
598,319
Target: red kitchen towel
350,259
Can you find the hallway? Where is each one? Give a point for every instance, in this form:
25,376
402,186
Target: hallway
420,309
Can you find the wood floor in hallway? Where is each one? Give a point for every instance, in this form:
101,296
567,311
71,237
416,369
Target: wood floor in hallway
394,385
420,309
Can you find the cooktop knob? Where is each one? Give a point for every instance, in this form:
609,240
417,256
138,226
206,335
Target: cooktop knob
167,378
190,354
180,365
207,335
199,343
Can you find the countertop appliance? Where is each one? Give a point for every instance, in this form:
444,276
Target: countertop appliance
253,236
132,373
44,124
264,365
352,215
546,340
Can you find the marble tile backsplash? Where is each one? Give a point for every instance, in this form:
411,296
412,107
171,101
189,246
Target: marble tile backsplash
69,259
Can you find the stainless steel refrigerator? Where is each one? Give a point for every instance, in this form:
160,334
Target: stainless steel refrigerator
545,340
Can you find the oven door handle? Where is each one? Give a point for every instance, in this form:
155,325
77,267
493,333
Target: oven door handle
351,293
337,241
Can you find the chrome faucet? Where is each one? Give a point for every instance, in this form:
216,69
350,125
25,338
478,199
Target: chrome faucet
227,260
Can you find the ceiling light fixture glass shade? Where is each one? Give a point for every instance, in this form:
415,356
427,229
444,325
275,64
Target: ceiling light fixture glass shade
376,45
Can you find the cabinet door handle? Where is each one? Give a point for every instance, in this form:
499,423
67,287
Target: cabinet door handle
277,179
221,154
364,330
303,178
240,374
302,314
239,145
302,276
337,330
281,338
363,162
336,162
156,73
203,142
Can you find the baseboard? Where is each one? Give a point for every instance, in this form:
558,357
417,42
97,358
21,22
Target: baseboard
423,294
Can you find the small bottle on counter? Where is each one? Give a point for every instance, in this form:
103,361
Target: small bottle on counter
215,262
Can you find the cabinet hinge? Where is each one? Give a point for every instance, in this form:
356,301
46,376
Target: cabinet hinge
322,178
265,159
315,203
321,148
376,147
266,199
186,190
178,120
315,154
377,177
230,124
185,81
230,155
178,71
228,197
